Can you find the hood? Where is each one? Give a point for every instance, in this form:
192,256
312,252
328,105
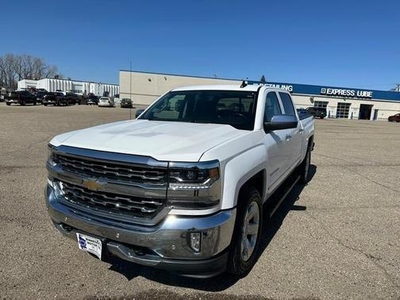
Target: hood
166,141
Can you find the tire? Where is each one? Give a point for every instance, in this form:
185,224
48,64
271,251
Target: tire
8,103
304,168
246,238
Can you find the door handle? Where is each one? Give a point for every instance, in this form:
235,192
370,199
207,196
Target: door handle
288,137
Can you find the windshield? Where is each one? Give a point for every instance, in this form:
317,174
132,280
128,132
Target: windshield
235,108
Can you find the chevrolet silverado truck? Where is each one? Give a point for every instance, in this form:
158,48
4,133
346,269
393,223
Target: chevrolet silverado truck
182,187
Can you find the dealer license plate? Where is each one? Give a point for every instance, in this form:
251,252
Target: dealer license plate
89,244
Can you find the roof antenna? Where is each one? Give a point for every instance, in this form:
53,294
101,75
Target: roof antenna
244,84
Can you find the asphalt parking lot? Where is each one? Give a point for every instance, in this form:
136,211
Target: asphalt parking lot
336,238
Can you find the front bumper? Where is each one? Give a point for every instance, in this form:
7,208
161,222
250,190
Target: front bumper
12,101
51,102
165,246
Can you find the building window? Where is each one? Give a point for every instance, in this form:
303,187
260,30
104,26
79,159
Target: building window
322,104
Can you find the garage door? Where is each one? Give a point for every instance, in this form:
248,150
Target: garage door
343,110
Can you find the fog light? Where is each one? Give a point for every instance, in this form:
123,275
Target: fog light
195,241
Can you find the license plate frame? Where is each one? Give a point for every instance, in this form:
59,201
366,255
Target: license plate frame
90,244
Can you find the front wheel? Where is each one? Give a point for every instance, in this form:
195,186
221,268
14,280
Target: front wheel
246,237
305,168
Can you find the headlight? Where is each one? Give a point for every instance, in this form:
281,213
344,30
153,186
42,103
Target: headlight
50,156
193,175
194,185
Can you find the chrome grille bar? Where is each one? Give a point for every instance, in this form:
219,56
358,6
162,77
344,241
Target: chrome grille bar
109,170
79,195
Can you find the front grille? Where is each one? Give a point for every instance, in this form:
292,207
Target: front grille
111,170
109,202
110,185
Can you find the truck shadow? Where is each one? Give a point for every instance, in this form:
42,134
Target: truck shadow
223,281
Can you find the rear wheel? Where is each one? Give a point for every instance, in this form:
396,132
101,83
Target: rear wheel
246,237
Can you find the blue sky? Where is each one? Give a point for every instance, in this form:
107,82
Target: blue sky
343,43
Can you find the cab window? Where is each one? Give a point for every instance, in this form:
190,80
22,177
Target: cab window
287,104
272,107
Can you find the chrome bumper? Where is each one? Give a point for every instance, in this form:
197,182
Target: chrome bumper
166,245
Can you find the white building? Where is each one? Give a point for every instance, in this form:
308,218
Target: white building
63,85
352,103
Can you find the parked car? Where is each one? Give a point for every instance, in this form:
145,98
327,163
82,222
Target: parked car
303,113
106,102
20,97
40,95
317,112
72,98
126,103
394,118
54,98
92,99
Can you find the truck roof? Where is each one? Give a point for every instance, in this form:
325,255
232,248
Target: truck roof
217,87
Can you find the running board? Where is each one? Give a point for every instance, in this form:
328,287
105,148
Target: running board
285,189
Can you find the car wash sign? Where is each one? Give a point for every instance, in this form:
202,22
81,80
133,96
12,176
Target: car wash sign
346,93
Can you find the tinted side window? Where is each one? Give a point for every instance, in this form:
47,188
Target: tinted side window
287,104
272,107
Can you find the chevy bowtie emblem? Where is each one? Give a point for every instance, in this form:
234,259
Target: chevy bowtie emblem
93,185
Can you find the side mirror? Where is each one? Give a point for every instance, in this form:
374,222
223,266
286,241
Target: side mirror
280,122
138,112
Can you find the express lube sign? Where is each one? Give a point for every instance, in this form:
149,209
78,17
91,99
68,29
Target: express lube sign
346,93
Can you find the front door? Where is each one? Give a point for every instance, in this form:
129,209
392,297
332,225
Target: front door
275,144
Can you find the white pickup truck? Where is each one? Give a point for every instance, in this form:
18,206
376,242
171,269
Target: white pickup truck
183,186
